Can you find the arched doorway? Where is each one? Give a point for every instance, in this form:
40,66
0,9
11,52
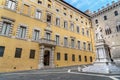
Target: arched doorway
46,58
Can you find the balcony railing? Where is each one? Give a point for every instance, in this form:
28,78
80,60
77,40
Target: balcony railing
47,42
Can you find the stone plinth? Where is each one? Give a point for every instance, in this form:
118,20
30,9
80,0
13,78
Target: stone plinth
104,62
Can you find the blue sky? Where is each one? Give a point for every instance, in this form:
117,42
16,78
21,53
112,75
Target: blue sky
92,5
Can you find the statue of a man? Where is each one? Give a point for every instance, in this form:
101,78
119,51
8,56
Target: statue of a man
100,36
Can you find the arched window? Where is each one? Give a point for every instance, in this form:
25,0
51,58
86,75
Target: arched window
108,30
105,17
116,13
96,21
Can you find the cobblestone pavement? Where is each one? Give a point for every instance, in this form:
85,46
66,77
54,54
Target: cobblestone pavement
57,74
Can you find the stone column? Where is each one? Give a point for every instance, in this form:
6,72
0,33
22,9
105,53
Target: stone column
41,65
52,57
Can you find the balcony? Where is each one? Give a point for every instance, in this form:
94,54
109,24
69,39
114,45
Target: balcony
46,42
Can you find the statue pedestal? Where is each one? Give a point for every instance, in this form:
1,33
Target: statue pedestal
103,63
101,67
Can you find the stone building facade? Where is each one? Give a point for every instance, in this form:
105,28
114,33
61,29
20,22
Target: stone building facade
37,34
106,22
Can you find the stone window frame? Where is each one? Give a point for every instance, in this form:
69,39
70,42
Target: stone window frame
118,28
72,27
64,42
59,38
16,5
83,31
88,33
66,57
58,56
116,13
78,47
29,9
39,33
89,48
18,55
32,54
72,44
7,20
47,31
108,31
91,59
56,21
77,29
73,57
18,29
65,26
37,9
105,17
50,14
3,51
84,46
80,57
85,58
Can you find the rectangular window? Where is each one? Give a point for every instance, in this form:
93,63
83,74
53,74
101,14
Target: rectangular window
72,27
118,28
2,48
78,44
83,31
91,59
57,21
49,18
57,39
65,41
65,24
48,36
84,45
72,43
87,33
73,57
89,47
58,56
18,52
66,57
11,4
79,57
38,14
32,54
36,35
85,58
26,9
6,28
78,29
22,32
105,17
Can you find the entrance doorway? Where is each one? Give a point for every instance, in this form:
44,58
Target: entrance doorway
46,58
